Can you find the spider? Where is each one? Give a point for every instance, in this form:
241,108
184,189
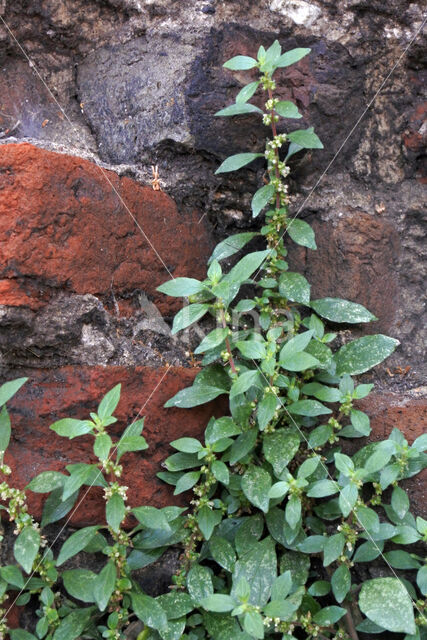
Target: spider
156,180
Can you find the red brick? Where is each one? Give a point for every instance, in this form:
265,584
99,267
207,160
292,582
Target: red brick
62,227
409,415
355,260
74,392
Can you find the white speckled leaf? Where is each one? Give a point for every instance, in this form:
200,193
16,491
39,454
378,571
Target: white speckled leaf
259,568
386,602
256,484
26,547
364,353
338,310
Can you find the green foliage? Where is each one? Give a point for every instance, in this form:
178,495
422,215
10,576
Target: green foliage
282,522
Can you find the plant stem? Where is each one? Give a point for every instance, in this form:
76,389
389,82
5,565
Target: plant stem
350,623
227,343
276,151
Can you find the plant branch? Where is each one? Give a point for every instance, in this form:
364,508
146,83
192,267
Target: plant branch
227,343
350,623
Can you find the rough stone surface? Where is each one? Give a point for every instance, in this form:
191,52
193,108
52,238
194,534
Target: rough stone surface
122,85
68,225
75,391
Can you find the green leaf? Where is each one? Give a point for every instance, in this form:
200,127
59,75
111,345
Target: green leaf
422,580
55,508
368,518
386,602
368,551
149,611
333,548
78,477
238,109
102,446
26,547
266,410
312,544
293,511
298,564
72,626
244,382
400,502
21,634
319,588
12,575
310,408
259,567
279,448
181,287
223,553
221,428
103,585
5,429
323,488
360,422
252,349
301,233
287,109
219,603
71,428
174,631
341,582
151,518
239,160
212,340
348,498
364,353
256,483
294,287
80,583
129,443
194,396
299,362
8,389
292,56
261,198
240,63
115,511
181,461
305,138
243,445
253,624
199,583
46,482
338,310
220,471
186,482
246,266
329,615
76,543
207,519
188,445
281,586
296,344
109,402
176,604
247,92
188,315
402,560
321,392
231,245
